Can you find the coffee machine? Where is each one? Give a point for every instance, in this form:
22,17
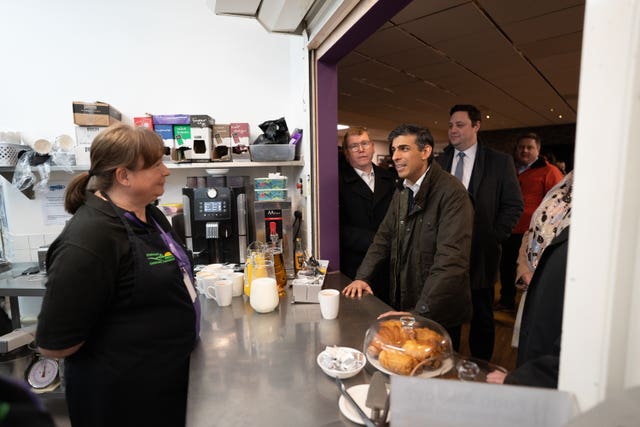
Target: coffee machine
216,226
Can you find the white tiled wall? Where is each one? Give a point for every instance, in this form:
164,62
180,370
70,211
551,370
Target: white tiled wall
24,247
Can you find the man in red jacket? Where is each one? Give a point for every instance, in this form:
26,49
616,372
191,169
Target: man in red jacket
536,176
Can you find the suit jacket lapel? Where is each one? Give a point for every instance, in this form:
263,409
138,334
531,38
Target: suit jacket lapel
477,171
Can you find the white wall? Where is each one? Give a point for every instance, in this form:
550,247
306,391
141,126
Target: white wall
161,57
601,327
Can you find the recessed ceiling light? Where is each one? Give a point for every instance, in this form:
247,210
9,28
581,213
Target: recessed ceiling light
551,109
559,116
435,122
488,116
342,127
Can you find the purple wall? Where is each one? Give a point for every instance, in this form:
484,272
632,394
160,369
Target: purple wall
327,84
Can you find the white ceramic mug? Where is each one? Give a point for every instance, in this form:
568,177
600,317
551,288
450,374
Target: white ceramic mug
220,291
202,277
237,283
329,300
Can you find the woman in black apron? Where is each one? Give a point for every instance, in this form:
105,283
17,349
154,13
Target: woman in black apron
120,302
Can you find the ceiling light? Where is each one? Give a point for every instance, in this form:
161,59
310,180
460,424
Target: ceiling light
551,109
559,116
488,116
342,127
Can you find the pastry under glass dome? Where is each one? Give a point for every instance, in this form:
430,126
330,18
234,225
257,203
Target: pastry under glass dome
408,345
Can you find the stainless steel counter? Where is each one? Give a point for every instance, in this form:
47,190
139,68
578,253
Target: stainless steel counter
13,285
260,369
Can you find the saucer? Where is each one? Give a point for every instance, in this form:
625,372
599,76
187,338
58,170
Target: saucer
359,395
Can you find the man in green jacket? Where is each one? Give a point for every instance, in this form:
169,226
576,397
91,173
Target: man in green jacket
425,239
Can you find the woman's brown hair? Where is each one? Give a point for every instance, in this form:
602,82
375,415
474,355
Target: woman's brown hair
117,146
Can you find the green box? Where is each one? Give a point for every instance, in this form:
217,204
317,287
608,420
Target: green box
182,135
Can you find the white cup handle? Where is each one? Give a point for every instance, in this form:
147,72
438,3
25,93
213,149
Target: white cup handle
211,292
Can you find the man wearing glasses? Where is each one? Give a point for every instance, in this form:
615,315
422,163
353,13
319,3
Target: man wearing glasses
365,194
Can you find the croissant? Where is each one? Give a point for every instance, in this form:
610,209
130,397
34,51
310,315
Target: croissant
397,361
390,333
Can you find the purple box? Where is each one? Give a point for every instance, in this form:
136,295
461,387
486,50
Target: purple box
172,119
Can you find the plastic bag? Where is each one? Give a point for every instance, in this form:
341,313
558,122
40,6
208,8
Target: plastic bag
23,177
275,132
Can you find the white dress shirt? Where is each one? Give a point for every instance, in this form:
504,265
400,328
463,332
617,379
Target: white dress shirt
469,158
368,178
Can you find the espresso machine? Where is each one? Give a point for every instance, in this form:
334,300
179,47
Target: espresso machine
216,226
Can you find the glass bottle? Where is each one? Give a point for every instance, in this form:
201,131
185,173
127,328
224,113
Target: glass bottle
275,247
298,255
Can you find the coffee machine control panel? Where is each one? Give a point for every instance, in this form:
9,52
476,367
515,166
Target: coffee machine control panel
212,204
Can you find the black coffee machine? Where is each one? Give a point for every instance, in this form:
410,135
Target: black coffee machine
216,226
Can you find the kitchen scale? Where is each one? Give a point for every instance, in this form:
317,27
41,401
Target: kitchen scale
24,361
43,373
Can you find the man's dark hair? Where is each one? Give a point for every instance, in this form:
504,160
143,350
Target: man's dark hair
474,114
423,136
530,135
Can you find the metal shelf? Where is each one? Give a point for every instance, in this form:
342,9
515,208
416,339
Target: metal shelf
192,165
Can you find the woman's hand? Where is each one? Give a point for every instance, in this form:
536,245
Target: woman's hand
357,288
523,282
496,377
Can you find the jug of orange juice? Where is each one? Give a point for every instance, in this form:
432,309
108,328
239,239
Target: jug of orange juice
256,251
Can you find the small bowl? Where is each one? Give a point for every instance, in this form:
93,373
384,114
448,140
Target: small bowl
333,373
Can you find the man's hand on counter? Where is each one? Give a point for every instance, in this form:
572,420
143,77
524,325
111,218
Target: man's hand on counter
394,313
356,289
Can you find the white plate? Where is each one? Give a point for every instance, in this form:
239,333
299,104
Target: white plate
446,366
343,374
359,394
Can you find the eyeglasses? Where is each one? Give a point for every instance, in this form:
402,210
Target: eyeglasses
356,147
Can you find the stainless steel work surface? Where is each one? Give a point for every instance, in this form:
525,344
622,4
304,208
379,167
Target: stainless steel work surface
12,283
260,369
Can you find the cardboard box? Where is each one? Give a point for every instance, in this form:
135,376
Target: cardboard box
221,143
95,114
270,195
86,134
182,136
172,119
201,121
146,122
240,141
166,133
84,138
279,183
201,144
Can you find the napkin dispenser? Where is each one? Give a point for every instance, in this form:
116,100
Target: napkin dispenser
306,290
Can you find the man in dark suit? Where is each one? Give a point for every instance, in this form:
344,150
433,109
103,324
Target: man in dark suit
490,177
365,194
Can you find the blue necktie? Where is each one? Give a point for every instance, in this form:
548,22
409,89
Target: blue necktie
410,204
459,166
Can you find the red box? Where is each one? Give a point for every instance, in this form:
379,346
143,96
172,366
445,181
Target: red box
146,122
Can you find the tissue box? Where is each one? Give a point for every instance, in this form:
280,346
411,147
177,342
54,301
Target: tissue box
272,152
270,195
279,183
